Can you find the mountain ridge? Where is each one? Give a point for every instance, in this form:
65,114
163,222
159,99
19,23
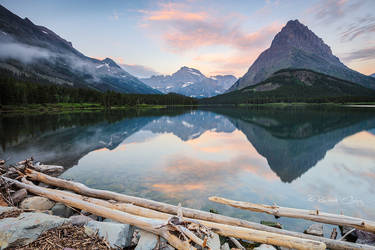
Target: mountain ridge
190,82
296,85
296,46
37,51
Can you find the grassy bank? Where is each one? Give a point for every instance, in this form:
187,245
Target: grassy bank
63,107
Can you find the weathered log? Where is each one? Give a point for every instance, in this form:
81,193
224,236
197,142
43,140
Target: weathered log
222,229
188,212
53,170
147,224
313,215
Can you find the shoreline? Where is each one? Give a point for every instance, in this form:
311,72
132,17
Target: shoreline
90,107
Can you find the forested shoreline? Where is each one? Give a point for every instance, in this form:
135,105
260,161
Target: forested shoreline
23,90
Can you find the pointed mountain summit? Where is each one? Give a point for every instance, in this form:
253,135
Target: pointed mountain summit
296,46
191,82
111,63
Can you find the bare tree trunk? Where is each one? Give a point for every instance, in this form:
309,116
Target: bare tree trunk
188,212
313,215
149,224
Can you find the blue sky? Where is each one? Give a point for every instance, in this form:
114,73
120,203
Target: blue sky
214,36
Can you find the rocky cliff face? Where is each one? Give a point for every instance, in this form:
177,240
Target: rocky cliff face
191,82
296,46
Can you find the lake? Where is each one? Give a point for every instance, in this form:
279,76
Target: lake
311,158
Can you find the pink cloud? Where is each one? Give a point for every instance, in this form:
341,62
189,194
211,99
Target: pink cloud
183,29
186,29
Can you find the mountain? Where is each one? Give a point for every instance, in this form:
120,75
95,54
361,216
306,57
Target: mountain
37,52
296,85
190,82
295,46
373,75
295,140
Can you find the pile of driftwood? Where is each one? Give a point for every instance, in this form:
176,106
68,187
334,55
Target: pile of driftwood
183,228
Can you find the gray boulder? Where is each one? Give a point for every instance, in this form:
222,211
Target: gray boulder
7,209
315,229
117,235
26,228
80,220
147,241
59,209
37,203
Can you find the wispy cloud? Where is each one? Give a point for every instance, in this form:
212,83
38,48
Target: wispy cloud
360,55
363,26
330,11
185,29
140,71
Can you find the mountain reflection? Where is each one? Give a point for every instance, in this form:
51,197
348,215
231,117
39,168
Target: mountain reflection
292,141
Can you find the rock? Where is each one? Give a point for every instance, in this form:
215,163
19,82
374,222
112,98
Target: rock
271,224
80,220
265,247
117,235
19,196
214,241
147,241
364,237
37,203
59,209
26,228
225,246
7,209
315,229
110,220
92,216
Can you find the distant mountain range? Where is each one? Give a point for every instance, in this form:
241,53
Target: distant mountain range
295,85
295,46
35,51
373,75
191,82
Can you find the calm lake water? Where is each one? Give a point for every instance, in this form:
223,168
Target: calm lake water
303,158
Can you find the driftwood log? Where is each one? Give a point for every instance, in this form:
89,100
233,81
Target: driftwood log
148,222
137,204
313,215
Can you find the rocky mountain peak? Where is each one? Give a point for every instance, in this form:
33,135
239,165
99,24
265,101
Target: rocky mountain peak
296,46
110,63
296,35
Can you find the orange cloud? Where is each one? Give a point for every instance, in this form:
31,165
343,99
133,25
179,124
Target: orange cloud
186,29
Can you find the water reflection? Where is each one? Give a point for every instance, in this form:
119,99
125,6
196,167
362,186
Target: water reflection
300,158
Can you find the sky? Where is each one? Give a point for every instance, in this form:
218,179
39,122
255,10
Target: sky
215,36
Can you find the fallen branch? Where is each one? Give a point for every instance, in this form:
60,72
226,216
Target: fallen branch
334,219
146,224
222,229
188,212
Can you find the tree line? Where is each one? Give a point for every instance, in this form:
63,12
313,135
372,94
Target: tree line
22,90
